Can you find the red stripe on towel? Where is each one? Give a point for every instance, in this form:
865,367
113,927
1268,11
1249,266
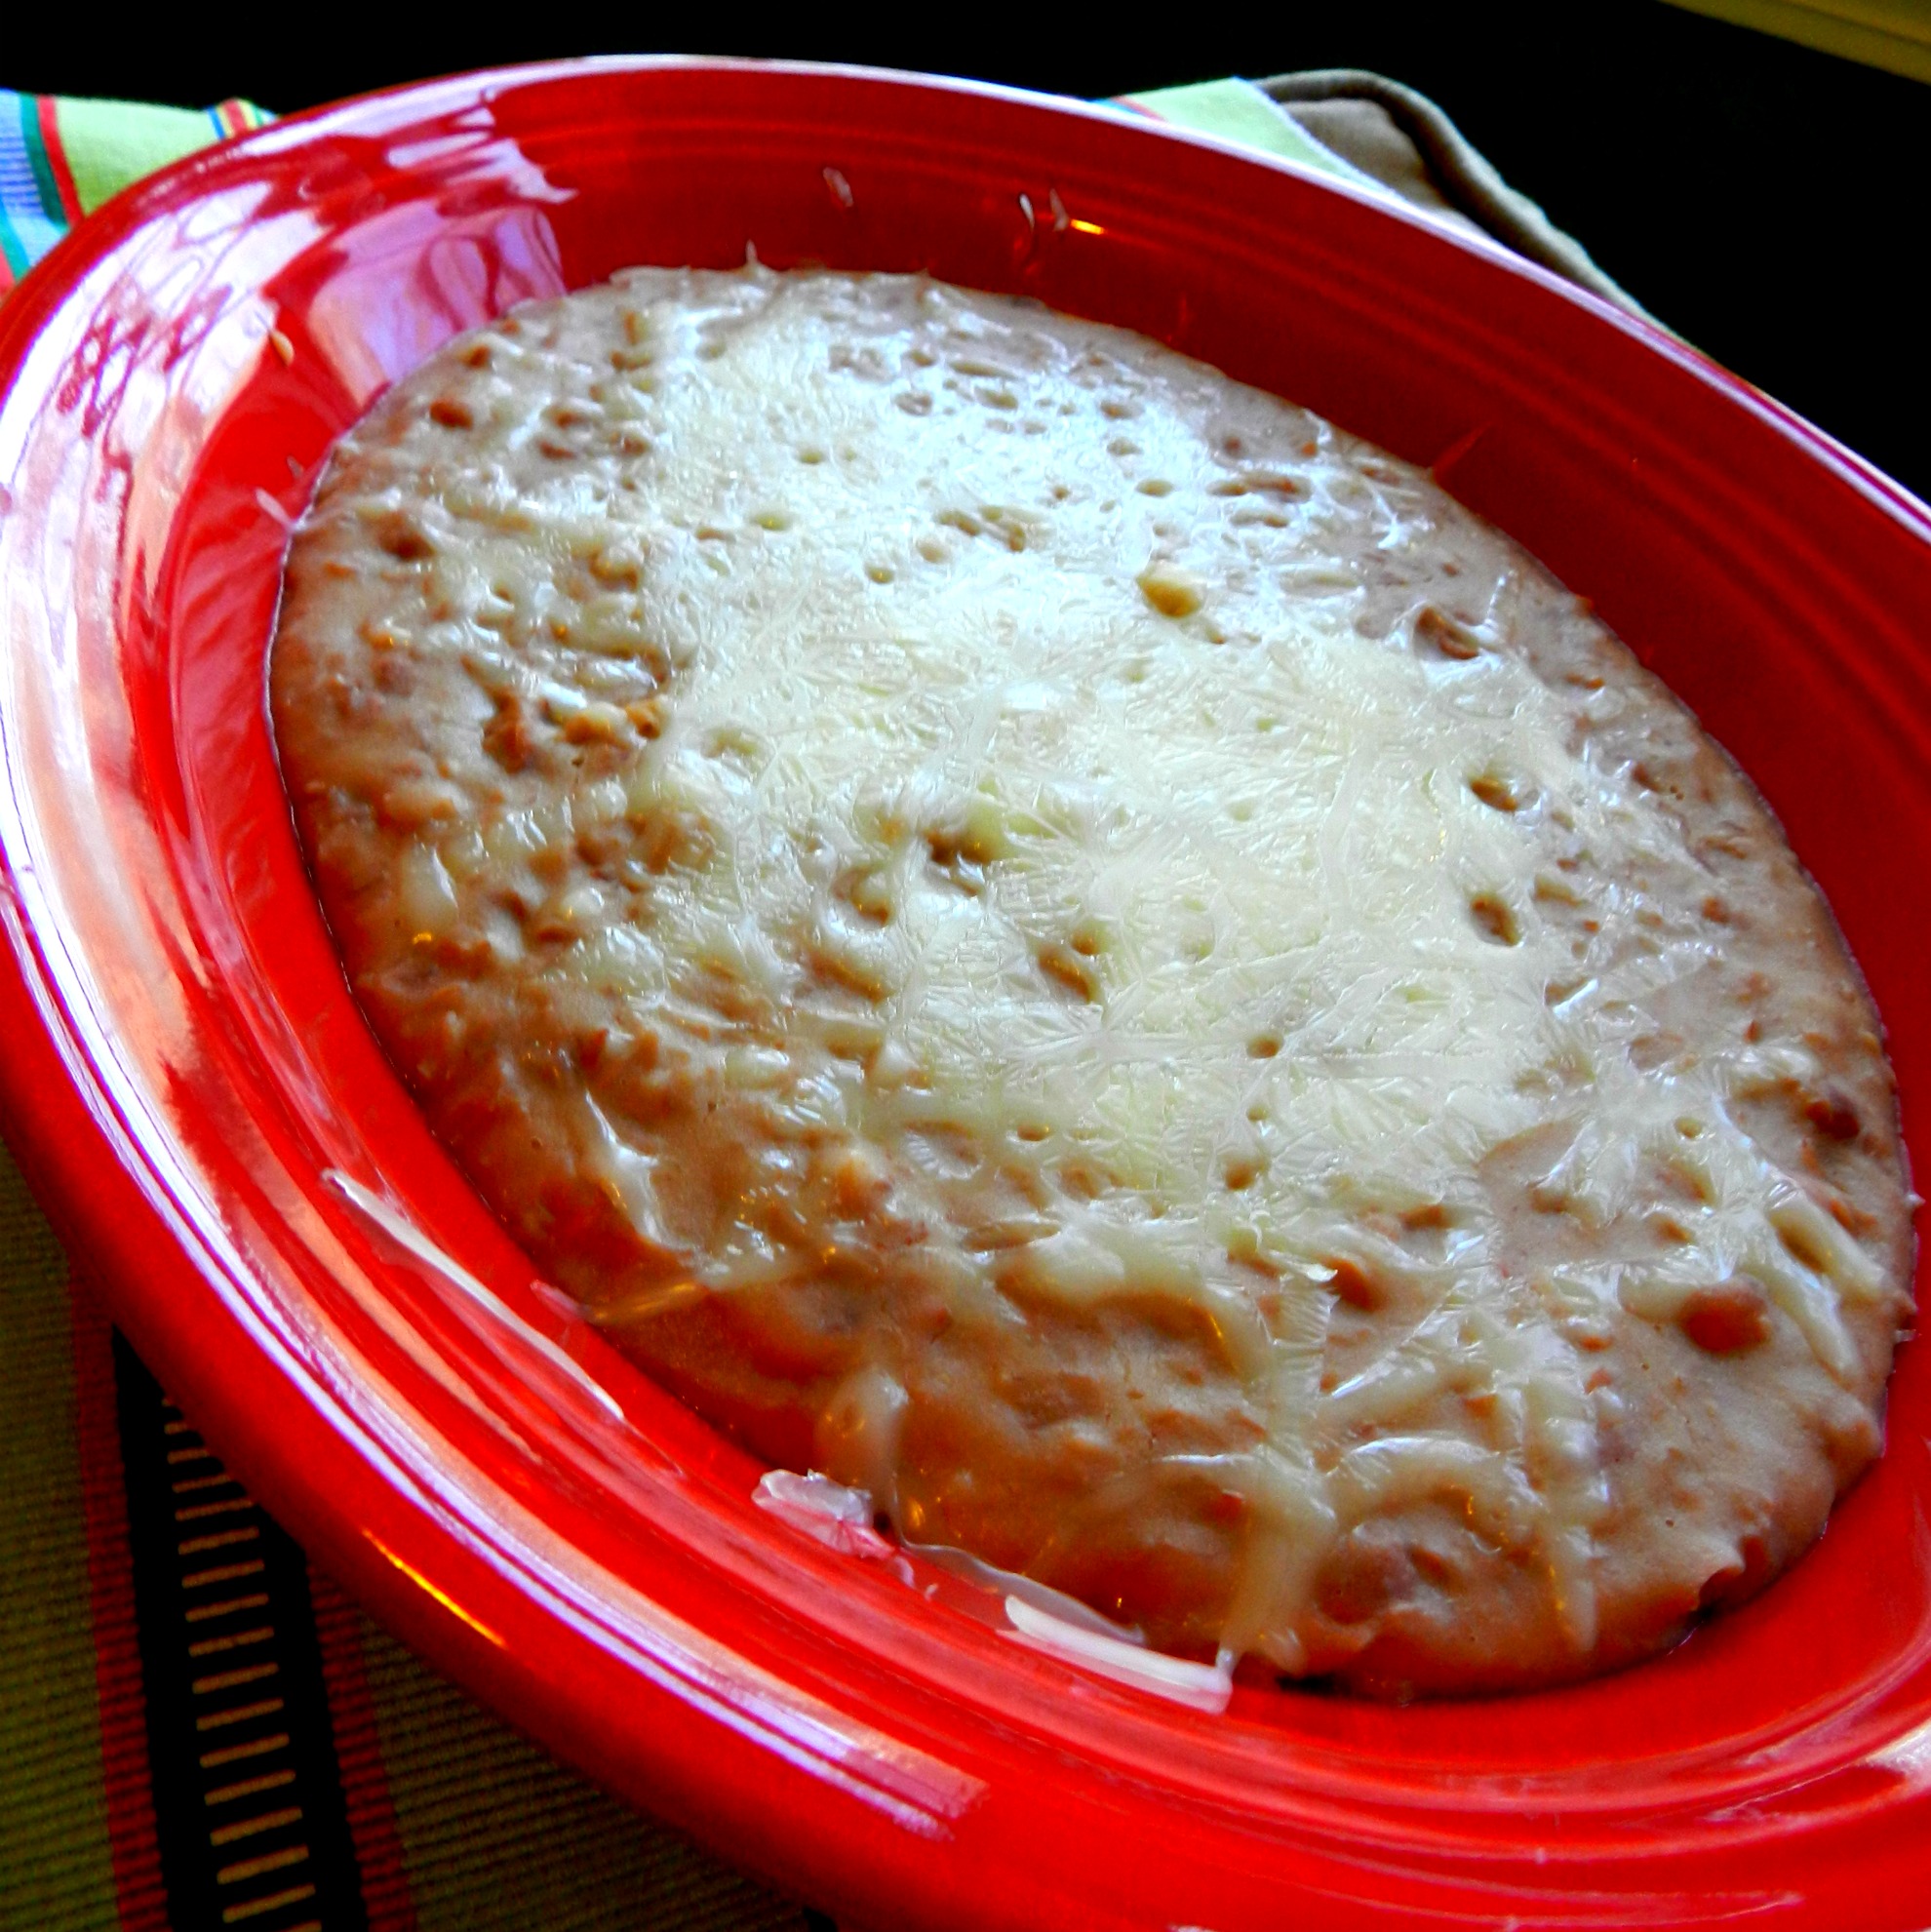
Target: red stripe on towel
131,1832
371,1816
47,112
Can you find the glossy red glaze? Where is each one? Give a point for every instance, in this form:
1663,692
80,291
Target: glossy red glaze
182,1063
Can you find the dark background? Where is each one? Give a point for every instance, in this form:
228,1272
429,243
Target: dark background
1766,201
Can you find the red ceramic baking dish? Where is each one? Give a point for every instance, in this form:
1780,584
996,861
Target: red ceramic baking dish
215,1130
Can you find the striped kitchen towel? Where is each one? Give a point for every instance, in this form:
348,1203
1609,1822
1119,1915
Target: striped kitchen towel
60,159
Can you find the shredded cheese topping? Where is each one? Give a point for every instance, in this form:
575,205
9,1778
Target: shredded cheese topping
1029,829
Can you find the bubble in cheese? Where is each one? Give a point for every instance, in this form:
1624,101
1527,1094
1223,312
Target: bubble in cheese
1055,938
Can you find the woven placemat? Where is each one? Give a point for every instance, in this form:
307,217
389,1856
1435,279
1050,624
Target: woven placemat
197,1730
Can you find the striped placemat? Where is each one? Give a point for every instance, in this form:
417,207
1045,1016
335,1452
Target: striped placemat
198,1731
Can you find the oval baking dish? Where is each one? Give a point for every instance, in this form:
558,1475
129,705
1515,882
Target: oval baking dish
216,1134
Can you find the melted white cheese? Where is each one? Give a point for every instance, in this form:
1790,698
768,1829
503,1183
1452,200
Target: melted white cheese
1027,759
